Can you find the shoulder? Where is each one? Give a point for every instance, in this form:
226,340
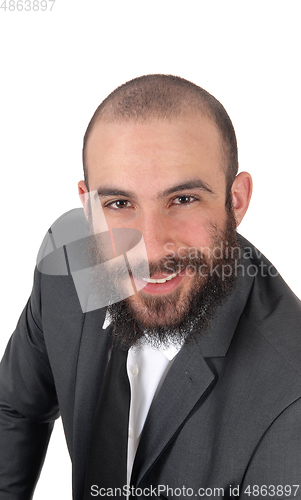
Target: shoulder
273,309
62,285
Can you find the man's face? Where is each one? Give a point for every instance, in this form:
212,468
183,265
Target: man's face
166,179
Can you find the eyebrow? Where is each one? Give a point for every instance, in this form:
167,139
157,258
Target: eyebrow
113,191
104,191
191,184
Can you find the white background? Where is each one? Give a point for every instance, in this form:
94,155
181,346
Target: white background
56,67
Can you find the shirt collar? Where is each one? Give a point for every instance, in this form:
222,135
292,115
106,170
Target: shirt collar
169,352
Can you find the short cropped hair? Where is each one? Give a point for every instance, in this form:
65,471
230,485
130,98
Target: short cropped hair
166,97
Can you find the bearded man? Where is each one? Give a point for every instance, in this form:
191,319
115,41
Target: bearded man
173,354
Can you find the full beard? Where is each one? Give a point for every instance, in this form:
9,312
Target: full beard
176,318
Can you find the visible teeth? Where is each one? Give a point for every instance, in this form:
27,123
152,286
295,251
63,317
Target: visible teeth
162,280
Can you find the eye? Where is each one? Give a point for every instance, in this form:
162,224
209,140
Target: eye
118,204
185,199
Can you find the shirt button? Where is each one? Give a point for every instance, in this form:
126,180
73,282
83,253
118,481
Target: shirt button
134,369
130,433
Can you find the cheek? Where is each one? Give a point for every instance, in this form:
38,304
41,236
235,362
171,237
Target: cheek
199,231
201,228
195,233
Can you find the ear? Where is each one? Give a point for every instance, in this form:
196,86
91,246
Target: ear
83,195
241,195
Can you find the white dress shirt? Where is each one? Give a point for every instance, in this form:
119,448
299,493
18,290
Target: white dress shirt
147,368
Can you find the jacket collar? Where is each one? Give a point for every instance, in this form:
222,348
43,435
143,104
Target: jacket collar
216,340
92,361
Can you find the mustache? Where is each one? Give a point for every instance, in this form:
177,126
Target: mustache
172,264
169,264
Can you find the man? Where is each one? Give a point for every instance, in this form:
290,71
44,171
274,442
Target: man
208,403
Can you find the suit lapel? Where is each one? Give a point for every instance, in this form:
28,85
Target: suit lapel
186,382
92,362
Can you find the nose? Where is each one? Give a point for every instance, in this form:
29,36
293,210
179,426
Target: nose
158,234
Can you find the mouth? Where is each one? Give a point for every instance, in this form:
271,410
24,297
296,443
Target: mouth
160,283
161,280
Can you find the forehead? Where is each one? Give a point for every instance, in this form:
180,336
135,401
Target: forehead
155,149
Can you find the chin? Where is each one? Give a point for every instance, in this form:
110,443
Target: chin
153,311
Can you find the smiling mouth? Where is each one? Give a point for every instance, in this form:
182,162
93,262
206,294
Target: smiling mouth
161,280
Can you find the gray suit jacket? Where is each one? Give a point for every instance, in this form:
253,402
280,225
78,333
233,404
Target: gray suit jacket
228,414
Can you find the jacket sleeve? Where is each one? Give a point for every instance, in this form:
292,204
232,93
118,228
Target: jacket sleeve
274,470
28,403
